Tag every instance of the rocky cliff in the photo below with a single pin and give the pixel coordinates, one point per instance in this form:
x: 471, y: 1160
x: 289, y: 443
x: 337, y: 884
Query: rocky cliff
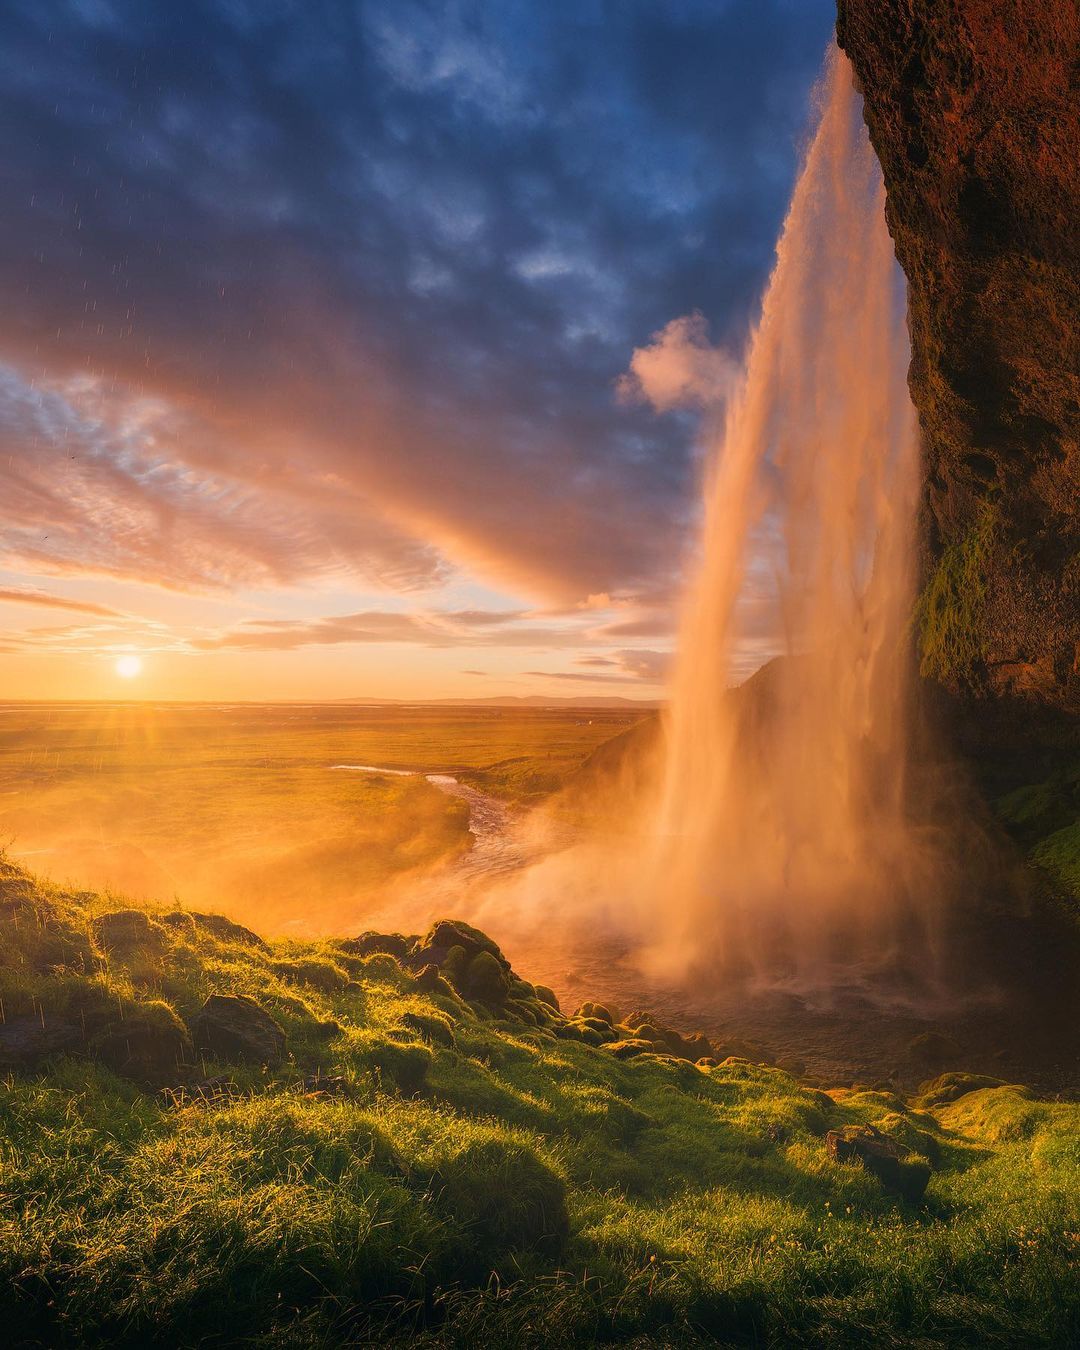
x: 973, y: 108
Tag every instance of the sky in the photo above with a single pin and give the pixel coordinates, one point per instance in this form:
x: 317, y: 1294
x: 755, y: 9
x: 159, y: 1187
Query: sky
x: 365, y: 349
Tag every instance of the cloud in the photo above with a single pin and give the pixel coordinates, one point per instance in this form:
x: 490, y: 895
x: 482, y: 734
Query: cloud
x: 626, y: 667
x: 449, y: 628
x: 17, y: 596
x: 680, y: 368
x: 295, y: 292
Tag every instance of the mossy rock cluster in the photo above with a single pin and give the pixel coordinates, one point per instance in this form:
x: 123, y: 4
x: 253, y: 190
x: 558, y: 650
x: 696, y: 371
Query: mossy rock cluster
x: 425, y: 1165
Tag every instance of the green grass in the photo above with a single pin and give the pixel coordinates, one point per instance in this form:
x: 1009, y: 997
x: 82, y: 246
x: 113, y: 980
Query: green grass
x: 462, y: 1174
x: 948, y: 614
x: 237, y: 807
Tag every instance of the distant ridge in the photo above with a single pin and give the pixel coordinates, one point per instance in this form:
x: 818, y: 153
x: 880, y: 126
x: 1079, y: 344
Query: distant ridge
x: 511, y: 701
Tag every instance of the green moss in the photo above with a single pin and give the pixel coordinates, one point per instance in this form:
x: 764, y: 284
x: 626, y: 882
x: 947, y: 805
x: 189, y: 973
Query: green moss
x: 948, y: 612
x: 510, y: 1188
x: 1059, y: 854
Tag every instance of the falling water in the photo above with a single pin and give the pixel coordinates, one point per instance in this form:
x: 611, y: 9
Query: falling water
x: 783, y: 850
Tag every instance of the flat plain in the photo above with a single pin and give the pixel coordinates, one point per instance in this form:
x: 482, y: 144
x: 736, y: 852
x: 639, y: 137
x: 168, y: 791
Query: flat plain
x: 237, y: 806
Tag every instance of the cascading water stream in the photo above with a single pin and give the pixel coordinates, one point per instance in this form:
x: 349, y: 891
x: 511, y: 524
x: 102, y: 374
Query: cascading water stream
x: 782, y: 848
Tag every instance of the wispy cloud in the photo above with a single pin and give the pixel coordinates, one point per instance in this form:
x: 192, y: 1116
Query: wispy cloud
x: 18, y: 596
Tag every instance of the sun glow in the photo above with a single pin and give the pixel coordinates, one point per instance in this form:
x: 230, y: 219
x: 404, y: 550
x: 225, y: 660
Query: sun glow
x: 127, y: 667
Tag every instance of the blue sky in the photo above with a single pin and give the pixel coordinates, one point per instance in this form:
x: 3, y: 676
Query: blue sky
x: 313, y: 322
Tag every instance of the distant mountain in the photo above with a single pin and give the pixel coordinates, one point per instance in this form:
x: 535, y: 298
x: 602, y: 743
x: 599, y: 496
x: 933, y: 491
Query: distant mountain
x: 513, y: 701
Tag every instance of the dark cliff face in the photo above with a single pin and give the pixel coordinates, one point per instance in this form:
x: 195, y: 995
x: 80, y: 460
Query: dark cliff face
x: 973, y: 108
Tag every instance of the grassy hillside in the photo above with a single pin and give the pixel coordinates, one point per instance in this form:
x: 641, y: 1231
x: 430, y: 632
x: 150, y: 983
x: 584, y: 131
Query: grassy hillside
x: 440, y: 1156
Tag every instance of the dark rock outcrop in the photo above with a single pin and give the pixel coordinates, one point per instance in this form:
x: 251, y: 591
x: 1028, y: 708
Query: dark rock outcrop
x: 234, y: 1027
x: 974, y: 111
x: 129, y: 930
x: 26, y: 1041
x: 884, y: 1157
x: 217, y: 925
x: 147, y: 1043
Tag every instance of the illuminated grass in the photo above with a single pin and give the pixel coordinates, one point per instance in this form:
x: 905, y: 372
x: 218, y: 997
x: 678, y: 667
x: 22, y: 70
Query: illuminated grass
x: 509, y: 1189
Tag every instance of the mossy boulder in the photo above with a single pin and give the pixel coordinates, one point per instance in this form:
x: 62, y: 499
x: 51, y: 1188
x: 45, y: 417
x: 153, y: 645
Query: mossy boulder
x: 316, y: 971
x: 950, y: 1087
x: 546, y: 995
x: 146, y: 1042
x: 234, y: 1027
x: 125, y: 931
x: 597, y: 1011
x: 369, y: 943
x: 933, y: 1049
x: 216, y: 926
x: 486, y: 979
x: 629, y: 1049
x: 895, y: 1165
x: 432, y: 1027
x: 401, y: 1067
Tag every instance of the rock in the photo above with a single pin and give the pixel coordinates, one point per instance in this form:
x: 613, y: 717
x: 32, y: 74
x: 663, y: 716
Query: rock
x: 973, y: 113
x: 318, y: 972
x: 145, y: 1041
x: 950, y: 1087
x: 795, y: 1067
x: 428, y: 979
x: 217, y: 925
x: 128, y: 930
x: 486, y: 979
x: 26, y: 1041
x: 315, y: 1084
x: 933, y: 1049
x: 596, y: 1011
x: 886, y: 1158
x: 367, y: 944
x: 449, y: 933
x: 235, y: 1027
x: 693, y: 1047
x: 430, y: 1027
x: 629, y: 1049
x: 546, y: 995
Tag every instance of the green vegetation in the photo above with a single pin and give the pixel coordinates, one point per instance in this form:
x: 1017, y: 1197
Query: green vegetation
x: 442, y: 1157
x: 948, y: 614
x: 1044, y: 817
x: 237, y: 806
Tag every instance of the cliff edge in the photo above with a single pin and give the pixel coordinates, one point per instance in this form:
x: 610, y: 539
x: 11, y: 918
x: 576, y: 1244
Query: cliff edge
x: 973, y: 107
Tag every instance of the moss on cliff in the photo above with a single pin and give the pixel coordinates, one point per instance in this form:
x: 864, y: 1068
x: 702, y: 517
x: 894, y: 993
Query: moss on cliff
x: 972, y: 110
x: 950, y: 608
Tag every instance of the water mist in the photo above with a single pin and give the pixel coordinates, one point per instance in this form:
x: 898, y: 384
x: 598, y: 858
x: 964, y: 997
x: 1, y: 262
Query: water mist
x: 782, y: 847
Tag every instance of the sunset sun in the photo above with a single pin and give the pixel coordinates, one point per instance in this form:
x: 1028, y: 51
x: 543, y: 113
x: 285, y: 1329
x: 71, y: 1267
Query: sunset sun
x: 127, y: 667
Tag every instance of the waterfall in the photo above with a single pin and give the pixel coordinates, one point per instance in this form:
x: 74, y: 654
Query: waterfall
x: 781, y: 848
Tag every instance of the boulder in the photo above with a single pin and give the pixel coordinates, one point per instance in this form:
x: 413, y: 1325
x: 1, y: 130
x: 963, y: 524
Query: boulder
x: 26, y: 1041
x: 449, y: 933
x: 145, y: 1041
x: 596, y: 1011
x: 933, y: 1049
x: 950, y: 1087
x: 235, y: 1027
x: 129, y: 930
x: 546, y: 995
x: 428, y: 979
x: 486, y: 979
x: 367, y: 944
x: 884, y: 1157
x: 217, y: 925
x: 431, y: 1027
x: 629, y: 1049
